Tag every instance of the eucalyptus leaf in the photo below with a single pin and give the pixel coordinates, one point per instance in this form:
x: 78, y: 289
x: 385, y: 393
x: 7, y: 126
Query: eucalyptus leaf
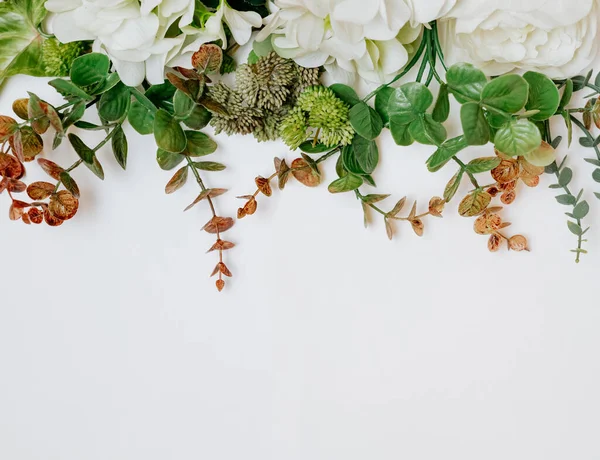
x: 519, y: 137
x: 445, y: 153
x: 543, y: 96
x: 474, y: 124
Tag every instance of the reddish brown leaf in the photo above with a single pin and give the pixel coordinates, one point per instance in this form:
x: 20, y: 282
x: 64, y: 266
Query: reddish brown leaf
x: 50, y: 219
x: 506, y: 171
x: 264, y: 185
x: 63, y: 205
x: 518, y: 243
x: 208, y: 59
x: 36, y: 216
x: 8, y: 126
x: 494, y: 243
x: 508, y: 197
x: 436, y: 206
x: 218, y: 225
x: 177, y: 181
x: 304, y: 173
x: 27, y: 142
x: 418, y: 226
x: 40, y: 190
x: 220, y: 284
x: 221, y: 245
x: 51, y: 168
x: 16, y: 186
x: 10, y: 166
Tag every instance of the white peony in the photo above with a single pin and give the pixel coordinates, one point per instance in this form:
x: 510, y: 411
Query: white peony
x: 348, y: 37
x: 556, y: 37
x: 134, y: 32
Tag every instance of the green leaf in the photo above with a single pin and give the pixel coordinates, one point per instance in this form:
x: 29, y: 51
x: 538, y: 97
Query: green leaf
x: 543, y: 96
x: 114, y: 103
x: 479, y: 165
x: 425, y: 130
x: 84, y: 152
x: 382, y: 101
x: 574, y: 228
x: 567, y: 200
x: 168, y: 133
x: 596, y: 175
x: 400, y: 131
x: 20, y: 41
x: 474, y: 203
x: 199, y: 144
x: 565, y: 177
x: 90, y: 70
x: 209, y: 166
x: 474, y: 124
x: 445, y: 153
x: 581, y: 210
x: 519, y: 137
x: 96, y: 168
x: 507, y: 93
x: 365, y: 121
x: 466, y: 82
x: 345, y: 93
x: 367, y: 153
x: 182, y: 104
x: 409, y: 101
x: 167, y: 160
x: 347, y: 183
x: 68, y: 89
x: 198, y: 119
x: 120, y: 147
x: 307, y: 147
x: 141, y: 117
x: 452, y: 186
x: 69, y: 183
x: 543, y: 156
x: 567, y: 95
x: 441, y: 109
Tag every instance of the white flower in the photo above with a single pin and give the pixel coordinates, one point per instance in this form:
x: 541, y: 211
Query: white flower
x: 133, y: 32
x: 425, y: 11
x: 348, y: 37
x: 556, y: 37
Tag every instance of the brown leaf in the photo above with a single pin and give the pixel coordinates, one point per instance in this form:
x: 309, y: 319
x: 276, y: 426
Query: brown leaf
x: 518, y: 243
x: 16, y: 145
x: 25, y: 218
x: 221, y: 268
x: 283, y: 172
x: 241, y: 213
x: 208, y: 59
x: 493, y: 191
x: 481, y: 225
x: 16, y: 186
x: 474, y: 203
x: 17, y: 209
x: 389, y: 229
x: 8, y: 126
x: 20, y: 108
x: 250, y: 207
x: 528, y: 168
x: 413, y: 211
x: 177, y: 181
x: 63, y: 205
x: 31, y: 143
x: 10, y: 166
x: 304, y: 173
x: 188, y: 73
x: 399, y: 205
x: 51, y: 220
x: 36, y: 216
x: 506, y: 171
x: 264, y: 185
x: 436, y: 206
x: 51, y: 168
x: 218, y: 225
x: 531, y: 181
x: 508, y: 197
x: 3, y: 184
x: 418, y: 226
x: 221, y: 245
x: 220, y: 284
x: 40, y: 190
x: 494, y: 243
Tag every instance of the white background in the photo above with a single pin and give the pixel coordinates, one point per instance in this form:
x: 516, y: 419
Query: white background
x: 329, y: 343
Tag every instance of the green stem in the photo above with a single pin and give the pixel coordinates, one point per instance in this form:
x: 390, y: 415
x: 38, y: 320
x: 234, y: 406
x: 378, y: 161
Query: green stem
x: 68, y: 170
x: 469, y: 173
x: 587, y: 134
x: 327, y: 155
x: 108, y: 138
x: 438, y: 45
x: 201, y: 184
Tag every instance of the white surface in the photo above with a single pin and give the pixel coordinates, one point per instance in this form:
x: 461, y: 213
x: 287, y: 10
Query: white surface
x: 330, y: 342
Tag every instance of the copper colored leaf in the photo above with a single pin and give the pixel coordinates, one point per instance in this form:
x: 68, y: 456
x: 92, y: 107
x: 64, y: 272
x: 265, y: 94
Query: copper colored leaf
x: 20, y: 108
x: 531, y: 181
x: 436, y: 206
x: 481, y: 226
x: 51, y: 168
x: 36, y: 216
x: 51, y: 220
x: 213, y: 106
x: 221, y: 245
x: 264, y: 185
x: 399, y: 205
x: 250, y: 207
x: 8, y: 126
x: 418, y: 226
x: 221, y: 268
x: 474, y: 203
x: 518, y: 243
x: 40, y: 190
x: 241, y: 213
x: 3, y: 184
x: 220, y: 284
x: 63, y: 205
x: 16, y: 145
x: 208, y: 59
x: 17, y: 209
x: 187, y: 73
x: 16, y: 186
x: 177, y: 181
x: 204, y: 194
x: 304, y: 173
x: 283, y: 172
x: 494, y: 242
x: 218, y: 225
x: 508, y: 197
x: 11, y: 167
x: 27, y: 142
x: 506, y: 171
x: 25, y: 218
x: 69, y: 183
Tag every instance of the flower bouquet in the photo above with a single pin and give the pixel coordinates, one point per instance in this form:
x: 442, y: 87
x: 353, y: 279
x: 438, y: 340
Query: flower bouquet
x: 326, y: 78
